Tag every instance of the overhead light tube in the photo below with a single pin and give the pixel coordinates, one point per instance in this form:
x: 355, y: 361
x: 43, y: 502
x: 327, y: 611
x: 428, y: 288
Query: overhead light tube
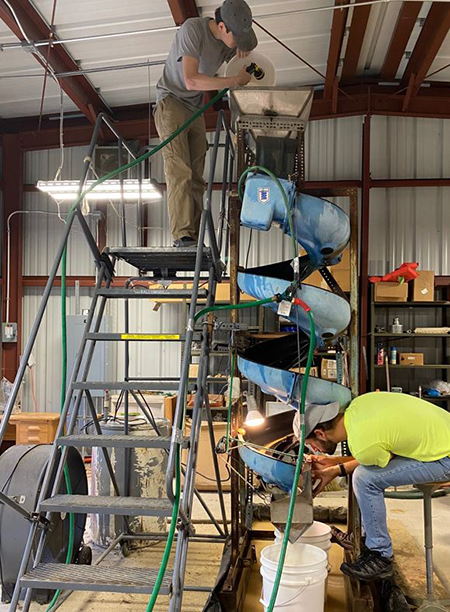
x: 133, y: 190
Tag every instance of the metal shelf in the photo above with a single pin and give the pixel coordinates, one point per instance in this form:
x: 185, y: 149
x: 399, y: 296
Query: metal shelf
x: 406, y: 335
x: 442, y: 398
x: 412, y: 304
x: 441, y: 366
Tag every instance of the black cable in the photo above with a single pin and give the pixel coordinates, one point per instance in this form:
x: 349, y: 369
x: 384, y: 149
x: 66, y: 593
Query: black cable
x: 248, y: 248
x: 213, y: 479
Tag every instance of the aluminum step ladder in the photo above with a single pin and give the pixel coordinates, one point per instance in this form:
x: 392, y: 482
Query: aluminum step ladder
x: 130, y: 580
x: 199, y: 265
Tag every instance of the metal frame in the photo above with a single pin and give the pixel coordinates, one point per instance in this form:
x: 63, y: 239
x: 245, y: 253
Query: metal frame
x: 241, y: 537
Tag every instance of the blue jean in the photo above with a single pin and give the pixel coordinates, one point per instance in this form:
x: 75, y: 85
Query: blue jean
x: 369, y: 483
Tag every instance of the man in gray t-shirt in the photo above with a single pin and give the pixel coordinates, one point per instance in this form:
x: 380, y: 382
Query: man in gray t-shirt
x: 200, y: 47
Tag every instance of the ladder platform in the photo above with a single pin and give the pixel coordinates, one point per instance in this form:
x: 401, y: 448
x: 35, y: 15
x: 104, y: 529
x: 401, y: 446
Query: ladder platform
x: 99, y: 504
x: 135, y: 337
x: 118, y: 441
x: 113, y: 579
x: 151, y: 294
x: 148, y: 259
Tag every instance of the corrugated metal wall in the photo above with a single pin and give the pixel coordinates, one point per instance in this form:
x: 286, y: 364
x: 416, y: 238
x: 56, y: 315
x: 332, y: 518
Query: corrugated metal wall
x: 405, y: 224
x: 410, y: 224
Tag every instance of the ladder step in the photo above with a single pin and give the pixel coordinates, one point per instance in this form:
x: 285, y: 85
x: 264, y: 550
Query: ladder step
x: 113, y: 579
x: 160, y: 385
x: 148, y: 259
x: 118, y: 441
x: 151, y: 385
x: 135, y: 337
x: 98, y: 504
x: 151, y: 294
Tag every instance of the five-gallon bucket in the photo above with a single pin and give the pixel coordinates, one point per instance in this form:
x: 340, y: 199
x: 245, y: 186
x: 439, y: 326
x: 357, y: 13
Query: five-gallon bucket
x: 319, y: 534
x: 302, y: 584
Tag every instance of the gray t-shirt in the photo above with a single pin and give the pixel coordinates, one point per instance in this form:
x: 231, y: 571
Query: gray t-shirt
x: 195, y: 39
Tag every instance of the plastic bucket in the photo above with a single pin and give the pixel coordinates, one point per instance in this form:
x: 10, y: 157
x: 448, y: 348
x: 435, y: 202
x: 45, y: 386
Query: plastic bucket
x: 302, y: 584
x: 319, y: 534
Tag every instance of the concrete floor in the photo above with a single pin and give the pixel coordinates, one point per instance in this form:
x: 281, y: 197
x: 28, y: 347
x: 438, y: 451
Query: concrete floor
x: 204, y: 560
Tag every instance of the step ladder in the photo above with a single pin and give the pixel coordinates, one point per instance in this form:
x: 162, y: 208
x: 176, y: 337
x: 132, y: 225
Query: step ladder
x: 130, y: 580
x: 198, y: 265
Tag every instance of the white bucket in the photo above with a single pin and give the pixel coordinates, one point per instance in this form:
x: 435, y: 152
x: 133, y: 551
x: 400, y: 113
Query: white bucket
x: 319, y: 534
x: 302, y: 584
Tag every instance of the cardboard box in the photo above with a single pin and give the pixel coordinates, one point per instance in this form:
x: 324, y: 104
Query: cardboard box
x: 407, y: 359
x: 193, y: 370
x: 422, y: 287
x: 328, y: 370
x: 390, y: 292
x: 162, y: 406
x: 314, y: 371
x: 205, y: 466
x: 340, y: 271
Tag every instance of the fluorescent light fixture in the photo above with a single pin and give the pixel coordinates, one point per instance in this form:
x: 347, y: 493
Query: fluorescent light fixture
x: 133, y: 190
x: 254, y: 417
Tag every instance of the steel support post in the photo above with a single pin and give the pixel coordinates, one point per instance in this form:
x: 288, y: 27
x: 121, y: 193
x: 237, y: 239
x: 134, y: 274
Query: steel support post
x: 12, y: 202
x: 364, y: 257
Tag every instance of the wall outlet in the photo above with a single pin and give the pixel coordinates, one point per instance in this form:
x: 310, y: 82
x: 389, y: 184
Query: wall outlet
x: 9, y: 332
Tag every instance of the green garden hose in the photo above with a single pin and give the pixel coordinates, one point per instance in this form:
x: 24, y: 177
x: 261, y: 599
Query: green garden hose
x: 71, y: 212
x: 301, y: 451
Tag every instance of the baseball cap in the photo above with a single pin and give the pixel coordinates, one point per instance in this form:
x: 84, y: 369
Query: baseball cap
x: 315, y: 414
x: 237, y: 16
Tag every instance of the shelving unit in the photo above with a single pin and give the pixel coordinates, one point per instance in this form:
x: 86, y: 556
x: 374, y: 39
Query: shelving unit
x: 434, y: 346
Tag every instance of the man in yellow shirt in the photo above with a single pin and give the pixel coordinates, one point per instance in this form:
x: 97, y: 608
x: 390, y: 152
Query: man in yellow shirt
x: 395, y: 439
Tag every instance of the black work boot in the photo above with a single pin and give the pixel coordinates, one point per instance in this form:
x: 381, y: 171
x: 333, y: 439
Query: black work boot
x: 370, y: 565
x: 185, y: 241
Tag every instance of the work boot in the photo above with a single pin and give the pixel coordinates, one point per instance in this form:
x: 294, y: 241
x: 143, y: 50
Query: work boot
x: 186, y: 242
x: 370, y: 565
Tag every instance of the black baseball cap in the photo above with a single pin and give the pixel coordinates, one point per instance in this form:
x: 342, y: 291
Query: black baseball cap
x: 237, y: 16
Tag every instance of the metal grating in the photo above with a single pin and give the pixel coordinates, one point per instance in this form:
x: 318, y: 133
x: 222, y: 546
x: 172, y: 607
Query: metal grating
x: 148, y: 259
x: 123, y: 506
x: 115, y: 579
x: 118, y: 441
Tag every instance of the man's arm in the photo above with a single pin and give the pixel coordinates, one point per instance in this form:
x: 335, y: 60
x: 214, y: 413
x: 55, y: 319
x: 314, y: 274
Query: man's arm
x: 196, y: 81
x: 326, y: 475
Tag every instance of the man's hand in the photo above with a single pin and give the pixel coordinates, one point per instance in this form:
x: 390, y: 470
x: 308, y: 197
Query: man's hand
x: 242, y: 54
x: 319, y: 462
x: 242, y: 78
x: 323, y: 477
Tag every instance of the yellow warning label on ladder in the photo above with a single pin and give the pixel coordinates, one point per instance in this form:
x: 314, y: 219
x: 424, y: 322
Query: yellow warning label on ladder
x: 150, y: 337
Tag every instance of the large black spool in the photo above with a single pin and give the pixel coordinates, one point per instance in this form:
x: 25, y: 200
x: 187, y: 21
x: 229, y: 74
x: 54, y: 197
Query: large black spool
x: 22, y: 470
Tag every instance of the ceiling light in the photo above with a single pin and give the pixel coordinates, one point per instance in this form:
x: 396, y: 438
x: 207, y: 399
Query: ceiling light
x: 133, y: 190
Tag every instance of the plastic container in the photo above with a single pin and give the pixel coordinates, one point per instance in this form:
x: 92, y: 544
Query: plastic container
x: 302, y: 584
x: 393, y: 355
x: 319, y: 534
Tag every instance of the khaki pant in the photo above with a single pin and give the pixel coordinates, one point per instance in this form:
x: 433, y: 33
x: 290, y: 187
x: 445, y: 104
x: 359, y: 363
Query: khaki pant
x: 184, y: 163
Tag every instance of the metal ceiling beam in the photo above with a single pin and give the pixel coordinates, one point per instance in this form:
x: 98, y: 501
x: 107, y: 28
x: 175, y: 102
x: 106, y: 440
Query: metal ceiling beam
x: 132, y: 121
x: 356, y: 35
x: 79, y: 89
x: 406, y: 21
x: 433, y: 34
x: 334, y: 50
x: 182, y: 10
